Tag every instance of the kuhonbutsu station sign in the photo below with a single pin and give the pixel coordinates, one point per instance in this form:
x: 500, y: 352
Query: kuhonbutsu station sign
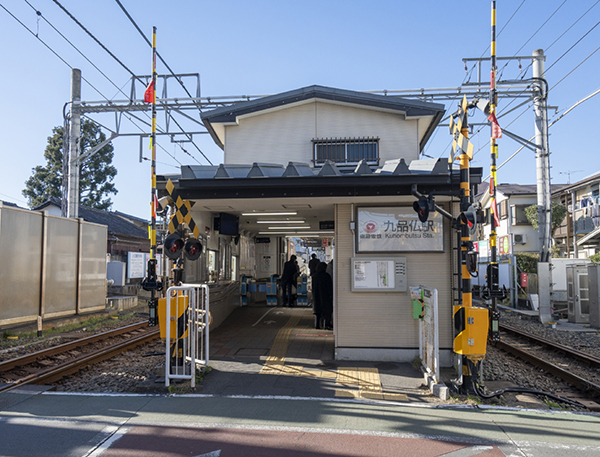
x: 398, y: 229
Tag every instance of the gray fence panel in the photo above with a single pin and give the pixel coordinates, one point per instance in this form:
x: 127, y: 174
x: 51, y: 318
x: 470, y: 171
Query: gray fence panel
x: 21, y: 260
x: 61, y: 267
x: 92, y: 289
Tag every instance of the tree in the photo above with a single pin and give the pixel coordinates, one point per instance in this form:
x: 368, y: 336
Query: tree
x: 96, y: 172
x: 558, y: 213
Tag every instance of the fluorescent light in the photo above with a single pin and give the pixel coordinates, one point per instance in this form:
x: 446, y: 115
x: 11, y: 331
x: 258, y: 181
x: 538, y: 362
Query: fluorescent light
x: 288, y: 213
x: 290, y: 227
x: 280, y: 222
x: 296, y: 233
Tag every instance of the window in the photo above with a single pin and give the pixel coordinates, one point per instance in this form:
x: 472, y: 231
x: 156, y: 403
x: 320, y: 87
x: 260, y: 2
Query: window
x: 346, y: 150
x: 503, y: 209
x: 518, y: 215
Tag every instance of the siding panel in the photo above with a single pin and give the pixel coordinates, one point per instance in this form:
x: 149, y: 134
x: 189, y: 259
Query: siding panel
x: 384, y: 320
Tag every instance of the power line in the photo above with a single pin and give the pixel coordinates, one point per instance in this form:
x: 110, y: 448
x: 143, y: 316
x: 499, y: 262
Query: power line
x: 49, y: 48
x: 576, y: 43
x: 96, y: 40
x: 170, y: 70
x: 575, y: 68
x: 75, y: 47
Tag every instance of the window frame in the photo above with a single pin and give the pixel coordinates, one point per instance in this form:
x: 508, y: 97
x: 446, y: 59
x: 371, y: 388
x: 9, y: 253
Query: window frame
x: 319, y: 158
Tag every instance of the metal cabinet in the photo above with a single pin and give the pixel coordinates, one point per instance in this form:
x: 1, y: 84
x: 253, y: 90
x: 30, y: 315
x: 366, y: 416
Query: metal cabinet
x: 594, y: 289
x: 578, y: 294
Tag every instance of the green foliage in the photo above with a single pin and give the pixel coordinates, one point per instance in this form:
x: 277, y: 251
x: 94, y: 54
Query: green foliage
x: 558, y: 212
x: 527, y: 262
x: 595, y: 258
x: 96, y: 173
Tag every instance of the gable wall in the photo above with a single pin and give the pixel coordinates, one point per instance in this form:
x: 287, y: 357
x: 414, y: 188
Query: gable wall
x: 285, y: 135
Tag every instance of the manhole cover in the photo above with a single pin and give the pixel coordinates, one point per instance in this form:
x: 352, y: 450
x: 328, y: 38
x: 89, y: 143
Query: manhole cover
x: 252, y: 352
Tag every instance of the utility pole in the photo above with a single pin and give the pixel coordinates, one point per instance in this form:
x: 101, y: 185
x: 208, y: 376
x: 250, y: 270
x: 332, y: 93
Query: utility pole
x: 542, y: 154
x: 74, y: 145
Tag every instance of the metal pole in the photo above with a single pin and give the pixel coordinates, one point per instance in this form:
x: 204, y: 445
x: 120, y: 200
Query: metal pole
x: 74, y: 144
x: 153, y: 163
x: 542, y: 155
x: 574, y: 223
x: 494, y: 315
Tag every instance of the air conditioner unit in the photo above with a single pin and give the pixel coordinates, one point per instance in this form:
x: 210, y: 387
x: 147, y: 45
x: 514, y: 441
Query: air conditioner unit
x: 519, y: 239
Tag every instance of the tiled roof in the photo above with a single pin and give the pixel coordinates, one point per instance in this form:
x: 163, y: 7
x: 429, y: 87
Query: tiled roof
x: 116, y: 224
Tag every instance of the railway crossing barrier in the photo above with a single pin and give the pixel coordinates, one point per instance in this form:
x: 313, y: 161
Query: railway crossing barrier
x: 184, y: 325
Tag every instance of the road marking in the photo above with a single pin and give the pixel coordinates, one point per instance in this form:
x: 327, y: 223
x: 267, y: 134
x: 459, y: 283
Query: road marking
x: 261, y: 317
x: 210, y: 454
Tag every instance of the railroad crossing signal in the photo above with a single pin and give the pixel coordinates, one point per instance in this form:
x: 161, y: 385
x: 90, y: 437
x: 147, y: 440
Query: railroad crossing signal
x: 460, y: 144
x: 183, y: 214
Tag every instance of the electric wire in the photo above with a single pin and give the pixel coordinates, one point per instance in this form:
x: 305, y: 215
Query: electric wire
x: 170, y: 70
x: 68, y: 13
x: 49, y: 48
x: 501, y: 30
x: 39, y: 14
x: 576, y: 43
x: 84, y: 79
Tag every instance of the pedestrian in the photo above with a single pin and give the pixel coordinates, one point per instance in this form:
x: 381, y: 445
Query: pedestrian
x: 312, y: 264
x: 290, y: 270
x: 323, y: 298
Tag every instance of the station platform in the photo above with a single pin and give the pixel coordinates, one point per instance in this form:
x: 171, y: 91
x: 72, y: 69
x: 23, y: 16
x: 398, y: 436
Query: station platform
x: 276, y: 351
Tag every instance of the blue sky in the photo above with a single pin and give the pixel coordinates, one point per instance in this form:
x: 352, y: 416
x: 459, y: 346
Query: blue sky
x: 266, y: 47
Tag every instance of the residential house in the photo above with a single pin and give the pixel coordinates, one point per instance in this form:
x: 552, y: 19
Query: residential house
x: 579, y: 235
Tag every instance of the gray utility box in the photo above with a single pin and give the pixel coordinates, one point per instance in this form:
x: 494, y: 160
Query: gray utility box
x: 594, y: 290
x: 578, y: 297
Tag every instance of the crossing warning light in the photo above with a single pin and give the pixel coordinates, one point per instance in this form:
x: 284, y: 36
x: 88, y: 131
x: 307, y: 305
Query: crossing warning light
x: 192, y: 249
x: 469, y: 218
x: 173, y: 246
x: 421, y: 206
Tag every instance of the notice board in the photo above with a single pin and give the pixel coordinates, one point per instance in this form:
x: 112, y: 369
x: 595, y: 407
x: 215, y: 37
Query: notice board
x: 378, y: 274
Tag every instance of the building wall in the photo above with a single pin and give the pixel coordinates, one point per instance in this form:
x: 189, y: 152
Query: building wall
x: 379, y: 325
x: 288, y: 133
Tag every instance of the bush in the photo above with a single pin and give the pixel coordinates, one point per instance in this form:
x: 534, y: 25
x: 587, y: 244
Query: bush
x: 595, y: 258
x: 528, y: 263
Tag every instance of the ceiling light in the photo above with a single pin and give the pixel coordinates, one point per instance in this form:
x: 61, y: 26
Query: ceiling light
x: 290, y: 227
x: 281, y: 222
x: 288, y: 213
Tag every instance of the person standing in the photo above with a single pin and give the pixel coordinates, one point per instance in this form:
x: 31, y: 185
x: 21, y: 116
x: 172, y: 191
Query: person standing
x: 312, y: 264
x: 323, y: 298
x: 287, y: 280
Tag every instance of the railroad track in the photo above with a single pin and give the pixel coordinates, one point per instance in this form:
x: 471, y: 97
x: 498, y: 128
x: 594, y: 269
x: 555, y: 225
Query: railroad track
x: 584, y: 379
x: 134, y: 335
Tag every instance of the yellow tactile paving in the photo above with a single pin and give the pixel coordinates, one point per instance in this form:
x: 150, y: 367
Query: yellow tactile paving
x: 364, y: 382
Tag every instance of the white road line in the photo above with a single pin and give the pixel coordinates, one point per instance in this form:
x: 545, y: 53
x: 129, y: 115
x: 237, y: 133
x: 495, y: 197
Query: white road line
x: 261, y: 317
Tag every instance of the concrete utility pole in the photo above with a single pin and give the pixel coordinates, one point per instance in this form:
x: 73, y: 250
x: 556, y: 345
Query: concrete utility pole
x: 542, y: 154
x: 74, y: 145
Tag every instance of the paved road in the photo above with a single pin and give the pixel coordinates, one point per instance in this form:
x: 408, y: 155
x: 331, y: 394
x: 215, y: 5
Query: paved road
x: 53, y: 424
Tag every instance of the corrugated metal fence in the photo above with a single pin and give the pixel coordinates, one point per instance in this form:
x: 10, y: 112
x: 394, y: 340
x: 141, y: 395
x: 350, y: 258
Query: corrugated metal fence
x: 49, y: 266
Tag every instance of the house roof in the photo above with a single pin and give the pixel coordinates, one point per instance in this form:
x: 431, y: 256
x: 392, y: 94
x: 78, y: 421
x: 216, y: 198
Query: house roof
x: 410, y: 108
x: 515, y: 189
x: 584, y: 182
x: 116, y: 224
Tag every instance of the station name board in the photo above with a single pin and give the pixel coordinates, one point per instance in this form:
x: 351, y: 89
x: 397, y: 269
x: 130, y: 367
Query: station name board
x: 398, y: 229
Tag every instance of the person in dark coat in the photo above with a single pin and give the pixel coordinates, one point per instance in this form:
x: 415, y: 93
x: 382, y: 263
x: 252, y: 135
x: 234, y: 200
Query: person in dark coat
x: 287, y: 280
x: 312, y: 264
x: 323, y: 298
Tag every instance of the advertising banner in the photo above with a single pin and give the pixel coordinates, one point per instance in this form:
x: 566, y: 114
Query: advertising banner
x: 398, y: 229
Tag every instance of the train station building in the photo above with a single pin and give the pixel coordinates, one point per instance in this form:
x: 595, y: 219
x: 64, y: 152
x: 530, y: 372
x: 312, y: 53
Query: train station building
x: 340, y: 167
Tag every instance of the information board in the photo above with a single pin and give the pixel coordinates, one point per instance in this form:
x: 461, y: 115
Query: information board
x: 398, y: 229
x: 137, y: 264
x: 370, y: 274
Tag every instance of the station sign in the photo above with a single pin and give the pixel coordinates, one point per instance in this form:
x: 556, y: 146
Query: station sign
x: 326, y: 225
x: 398, y: 229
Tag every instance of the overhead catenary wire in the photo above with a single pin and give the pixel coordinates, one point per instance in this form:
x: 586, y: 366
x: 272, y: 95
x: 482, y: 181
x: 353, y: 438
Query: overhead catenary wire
x: 170, y: 70
x: 68, y: 13
x: 84, y: 79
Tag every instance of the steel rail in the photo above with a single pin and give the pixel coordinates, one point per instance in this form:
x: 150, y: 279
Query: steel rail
x: 29, y: 358
x: 55, y: 373
x: 587, y: 358
x: 572, y: 379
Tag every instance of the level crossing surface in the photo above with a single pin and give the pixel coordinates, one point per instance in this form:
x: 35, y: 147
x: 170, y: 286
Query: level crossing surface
x: 57, y: 424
